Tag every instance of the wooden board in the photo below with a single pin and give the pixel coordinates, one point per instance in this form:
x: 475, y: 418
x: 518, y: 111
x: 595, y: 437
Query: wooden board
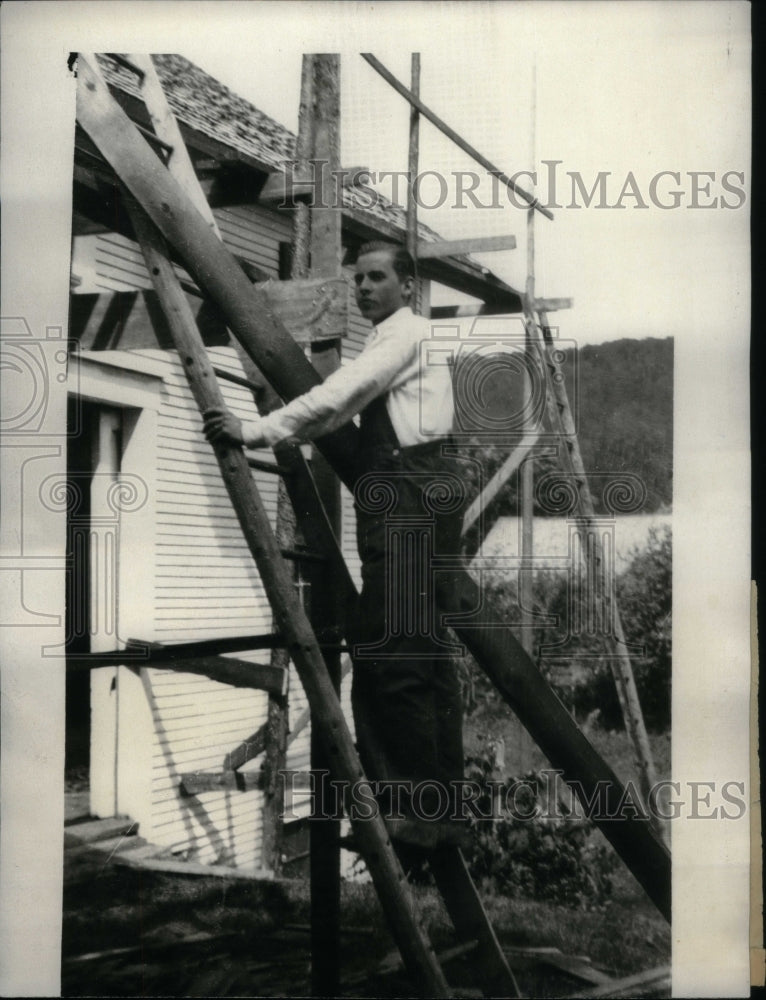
x: 481, y: 244
x: 197, y: 782
x: 654, y: 983
x: 470, y: 921
x: 311, y: 308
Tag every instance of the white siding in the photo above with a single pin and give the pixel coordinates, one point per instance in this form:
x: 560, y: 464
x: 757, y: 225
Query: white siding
x: 111, y: 262
x: 255, y: 233
x: 206, y: 587
x: 206, y: 584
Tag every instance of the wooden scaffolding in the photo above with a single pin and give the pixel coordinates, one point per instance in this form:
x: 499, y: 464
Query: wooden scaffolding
x: 172, y: 221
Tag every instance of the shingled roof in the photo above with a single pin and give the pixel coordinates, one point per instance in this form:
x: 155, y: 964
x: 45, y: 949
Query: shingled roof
x: 205, y: 105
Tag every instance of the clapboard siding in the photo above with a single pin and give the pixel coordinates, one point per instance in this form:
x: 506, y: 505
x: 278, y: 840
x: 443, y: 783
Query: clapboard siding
x: 206, y: 586
x: 206, y: 582
x: 112, y: 262
x: 255, y: 233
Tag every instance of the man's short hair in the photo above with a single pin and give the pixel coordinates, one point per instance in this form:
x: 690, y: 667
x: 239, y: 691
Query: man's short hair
x: 401, y: 259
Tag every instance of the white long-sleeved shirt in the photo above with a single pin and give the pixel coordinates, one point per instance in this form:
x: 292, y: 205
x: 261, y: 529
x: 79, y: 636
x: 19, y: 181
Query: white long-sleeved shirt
x: 395, y: 360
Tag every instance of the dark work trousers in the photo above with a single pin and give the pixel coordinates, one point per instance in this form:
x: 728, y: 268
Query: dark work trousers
x: 405, y: 694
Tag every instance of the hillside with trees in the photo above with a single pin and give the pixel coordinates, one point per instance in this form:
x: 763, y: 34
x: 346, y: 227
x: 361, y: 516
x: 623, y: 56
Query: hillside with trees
x: 621, y: 394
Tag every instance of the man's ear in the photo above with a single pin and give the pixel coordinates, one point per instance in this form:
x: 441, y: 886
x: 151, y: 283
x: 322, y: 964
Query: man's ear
x: 408, y: 288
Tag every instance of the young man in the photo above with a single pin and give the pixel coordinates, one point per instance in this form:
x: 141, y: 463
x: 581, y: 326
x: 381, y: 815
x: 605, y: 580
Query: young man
x: 408, y: 500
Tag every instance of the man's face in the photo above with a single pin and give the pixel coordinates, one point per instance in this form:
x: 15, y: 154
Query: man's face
x: 379, y: 289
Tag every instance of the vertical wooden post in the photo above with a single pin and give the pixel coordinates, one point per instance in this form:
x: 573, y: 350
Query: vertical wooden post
x: 526, y: 472
x: 412, y: 173
x: 319, y: 139
x: 277, y: 719
x: 412, y: 161
x: 619, y: 661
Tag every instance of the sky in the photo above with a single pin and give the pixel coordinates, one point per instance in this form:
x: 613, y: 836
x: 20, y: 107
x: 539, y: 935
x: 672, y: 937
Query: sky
x: 628, y: 91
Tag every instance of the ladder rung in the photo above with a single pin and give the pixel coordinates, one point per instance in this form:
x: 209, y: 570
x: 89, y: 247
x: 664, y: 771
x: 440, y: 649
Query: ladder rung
x: 151, y: 138
x: 257, y: 463
x: 237, y: 379
x: 126, y: 64
x: 95, y: 157
x: 252, y: 271
x: 154, y: 139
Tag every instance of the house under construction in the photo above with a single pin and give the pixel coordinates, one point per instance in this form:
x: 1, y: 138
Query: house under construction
x: 201, y: 672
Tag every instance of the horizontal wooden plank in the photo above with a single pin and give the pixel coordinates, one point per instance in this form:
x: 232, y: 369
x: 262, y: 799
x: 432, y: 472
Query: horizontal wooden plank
x: 225, y: 630
x: 480, y: 244
x: 196, y: 782
x: 655, y: 982
x: 164, y: 680
x: 551, y: 305
x: 224, y: 669
x: 99, y: 829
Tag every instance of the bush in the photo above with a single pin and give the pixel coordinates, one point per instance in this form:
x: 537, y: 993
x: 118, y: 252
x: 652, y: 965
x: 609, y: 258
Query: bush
x: 554, y: 859
x: 580, y: 673
x: 644, y: 596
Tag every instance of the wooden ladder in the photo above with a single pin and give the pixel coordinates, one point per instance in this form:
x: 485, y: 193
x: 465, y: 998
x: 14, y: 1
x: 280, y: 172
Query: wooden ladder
x: 162, y: 210
x: 447, y: 864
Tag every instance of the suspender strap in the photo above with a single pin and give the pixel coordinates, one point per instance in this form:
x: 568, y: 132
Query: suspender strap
x: 376, y: 430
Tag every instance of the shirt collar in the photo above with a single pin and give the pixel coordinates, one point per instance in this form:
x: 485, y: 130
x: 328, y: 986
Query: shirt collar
x: 394, y: 319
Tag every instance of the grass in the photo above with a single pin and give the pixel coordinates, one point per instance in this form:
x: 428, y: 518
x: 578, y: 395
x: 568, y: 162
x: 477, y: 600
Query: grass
x: 258, y: 943
x: 257, y: 950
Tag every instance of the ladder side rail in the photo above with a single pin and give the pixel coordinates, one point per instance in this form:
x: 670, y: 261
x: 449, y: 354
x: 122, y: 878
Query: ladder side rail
x: 461, y: 899
x: 319, y: 136
x: 619, y: 661
x: 166, y: 127
x: 390, y: 883
x: 247, y: 310
x: 282, y: 362
x: 457, y: 889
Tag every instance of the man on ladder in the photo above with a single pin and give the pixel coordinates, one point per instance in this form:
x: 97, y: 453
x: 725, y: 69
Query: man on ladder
x: 409, y: 508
